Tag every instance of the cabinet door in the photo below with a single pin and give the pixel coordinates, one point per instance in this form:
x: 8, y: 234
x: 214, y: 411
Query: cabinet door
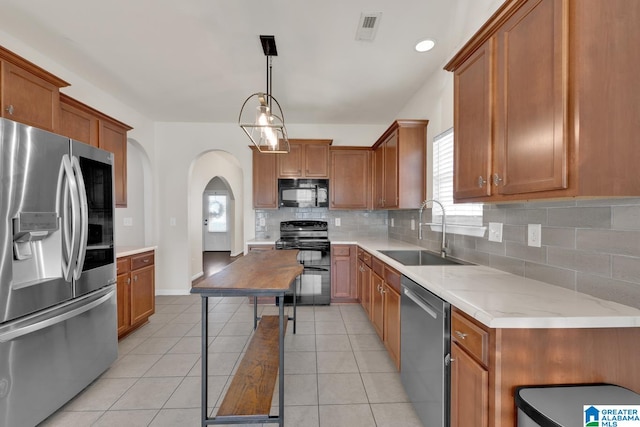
x: 265, y: 181
x: 28, y: 99
x: 473, y: 94
x: 378, y: 177
x: 142, y: 294
x: 123, y: 289
x: 392, y: 323
x: 78, y: 124
x: 343, y: 278
x: 290, y: 164
x: 349, y: 179
x: 316, y: 158
x: 390, y: 196
x: 114, y: 138
x: 531, y: 150
x: 469, y: 390
x: 377, y: 304
x: 364, y: 279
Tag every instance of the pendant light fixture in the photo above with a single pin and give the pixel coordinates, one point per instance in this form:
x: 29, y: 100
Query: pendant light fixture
x: 264, y: 125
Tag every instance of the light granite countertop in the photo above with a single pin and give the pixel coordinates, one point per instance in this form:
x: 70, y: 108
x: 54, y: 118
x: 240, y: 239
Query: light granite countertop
x: 499, y: 299
x: 122, y: 251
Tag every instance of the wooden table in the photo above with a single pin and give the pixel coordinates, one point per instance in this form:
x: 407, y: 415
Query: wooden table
x: 261, y: 273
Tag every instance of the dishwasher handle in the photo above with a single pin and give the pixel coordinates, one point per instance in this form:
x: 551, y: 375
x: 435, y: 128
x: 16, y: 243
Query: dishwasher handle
x: 426, y: 306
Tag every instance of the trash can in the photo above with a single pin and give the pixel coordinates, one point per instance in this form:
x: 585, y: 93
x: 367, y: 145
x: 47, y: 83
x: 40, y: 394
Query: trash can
x: 576, y: 405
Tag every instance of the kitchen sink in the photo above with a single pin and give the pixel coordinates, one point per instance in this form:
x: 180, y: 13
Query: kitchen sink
x: 415, y: 257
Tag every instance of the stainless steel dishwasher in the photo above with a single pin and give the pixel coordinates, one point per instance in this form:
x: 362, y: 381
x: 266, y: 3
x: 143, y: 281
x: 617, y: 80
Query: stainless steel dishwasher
x: 425, y: 353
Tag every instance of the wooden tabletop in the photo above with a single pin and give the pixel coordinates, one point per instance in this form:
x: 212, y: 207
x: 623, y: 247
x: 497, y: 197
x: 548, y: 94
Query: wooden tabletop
x: 257, y: 273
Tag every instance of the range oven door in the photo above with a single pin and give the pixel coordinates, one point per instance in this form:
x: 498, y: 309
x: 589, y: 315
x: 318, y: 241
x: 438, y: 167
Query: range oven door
x: 313, y: 286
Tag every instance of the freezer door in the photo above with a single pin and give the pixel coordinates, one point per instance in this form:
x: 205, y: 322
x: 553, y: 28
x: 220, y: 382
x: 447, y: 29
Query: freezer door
x: 96, y: 266
x: 32, y: 177
x: 47, y: 358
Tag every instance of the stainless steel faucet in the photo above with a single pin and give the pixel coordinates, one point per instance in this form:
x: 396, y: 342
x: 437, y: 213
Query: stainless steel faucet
x: 443, y: 248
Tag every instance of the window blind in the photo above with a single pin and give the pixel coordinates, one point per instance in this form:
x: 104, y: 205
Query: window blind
x: 443, y: 183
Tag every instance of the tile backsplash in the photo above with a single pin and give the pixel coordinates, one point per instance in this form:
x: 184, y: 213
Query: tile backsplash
x: 591, y: 246
x: 371, y: 224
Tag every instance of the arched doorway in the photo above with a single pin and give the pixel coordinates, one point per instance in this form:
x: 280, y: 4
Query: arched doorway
x: 225, y: 171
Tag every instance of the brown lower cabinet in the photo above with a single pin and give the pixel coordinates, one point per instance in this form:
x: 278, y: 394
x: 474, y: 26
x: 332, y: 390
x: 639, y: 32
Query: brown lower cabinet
x: 364, y: 280
x: 343, y: 273
x: 136, y: 291
x: 488, y: 363
x: 385, y: 306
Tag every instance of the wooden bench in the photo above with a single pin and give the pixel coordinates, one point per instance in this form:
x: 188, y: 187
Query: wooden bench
x: 251, y: 389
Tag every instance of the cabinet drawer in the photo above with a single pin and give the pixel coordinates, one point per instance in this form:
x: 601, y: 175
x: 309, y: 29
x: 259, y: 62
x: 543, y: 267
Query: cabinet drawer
x: 122, y: 265
x: 142, y: 260
x: 470, y: 336
x: 364, y: 256
x: 392, y: 278
x: 341, y: 250
x: 377, y: 266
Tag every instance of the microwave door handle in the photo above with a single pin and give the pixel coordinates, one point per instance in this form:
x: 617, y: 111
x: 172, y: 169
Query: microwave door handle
x: 84, y: 217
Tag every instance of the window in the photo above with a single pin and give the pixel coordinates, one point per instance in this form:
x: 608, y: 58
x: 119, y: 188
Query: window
x: 460, y: 213
x: 217, y: 213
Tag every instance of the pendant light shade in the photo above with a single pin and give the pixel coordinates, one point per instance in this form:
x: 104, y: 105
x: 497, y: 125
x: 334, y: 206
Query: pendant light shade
x: 261, y: 117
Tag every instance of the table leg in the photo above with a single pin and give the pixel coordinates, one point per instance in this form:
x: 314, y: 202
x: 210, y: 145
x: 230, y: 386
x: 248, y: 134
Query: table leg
x: 255, y: 313
x: 294, y: 305
x: 205, y: 362
x: 281, y: 362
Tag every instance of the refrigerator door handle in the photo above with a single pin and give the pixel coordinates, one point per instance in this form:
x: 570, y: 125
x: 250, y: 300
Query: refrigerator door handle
x: 62, y: 202
x: 84, y: 217
x: 18, y: 332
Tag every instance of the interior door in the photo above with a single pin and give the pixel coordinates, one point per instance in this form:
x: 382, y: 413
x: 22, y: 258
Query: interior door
x: 216, y: 230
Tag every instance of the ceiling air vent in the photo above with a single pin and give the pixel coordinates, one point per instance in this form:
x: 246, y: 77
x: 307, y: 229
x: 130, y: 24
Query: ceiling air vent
x: 368, y: 26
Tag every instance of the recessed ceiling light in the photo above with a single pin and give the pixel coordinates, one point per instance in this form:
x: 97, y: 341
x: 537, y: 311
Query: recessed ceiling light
x: 425, y: 45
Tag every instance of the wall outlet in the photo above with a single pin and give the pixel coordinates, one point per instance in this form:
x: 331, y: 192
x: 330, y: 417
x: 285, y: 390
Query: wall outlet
x: 127, y: 222
x: 413, y: 224
x: 262, y: 222
x: 172, y: 222
x: 495, y: 232
x: 393, y: 223
x: 337, y: 222
x: 534, y: 235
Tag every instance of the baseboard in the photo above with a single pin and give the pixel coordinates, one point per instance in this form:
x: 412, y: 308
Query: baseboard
x: 197, y: 276
x: 172, y: 292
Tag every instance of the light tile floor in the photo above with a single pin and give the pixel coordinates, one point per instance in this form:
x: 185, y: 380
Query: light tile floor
x: 337, y: 371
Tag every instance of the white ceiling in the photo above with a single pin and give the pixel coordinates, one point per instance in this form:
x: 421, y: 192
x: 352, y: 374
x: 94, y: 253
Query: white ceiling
x: 197, y: 60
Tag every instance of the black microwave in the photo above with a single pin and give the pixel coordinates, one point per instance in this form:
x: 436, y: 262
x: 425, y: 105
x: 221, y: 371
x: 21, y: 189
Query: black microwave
x: 303, y: 193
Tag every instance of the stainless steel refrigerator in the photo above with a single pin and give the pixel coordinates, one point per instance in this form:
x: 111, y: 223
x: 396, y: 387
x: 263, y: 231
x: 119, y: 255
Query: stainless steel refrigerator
x: 58, y: 317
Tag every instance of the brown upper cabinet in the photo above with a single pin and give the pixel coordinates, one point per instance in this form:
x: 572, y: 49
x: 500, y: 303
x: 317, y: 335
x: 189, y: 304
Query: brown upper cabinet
x: 265, y: 180
x: 308, y: 158
x: 350, y: 178
x: 83, y: 123
x: 544, y: 105
x: 29, y: 94
x: 399, y: 166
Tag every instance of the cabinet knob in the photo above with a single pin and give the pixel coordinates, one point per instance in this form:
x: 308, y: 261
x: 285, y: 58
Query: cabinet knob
x: 10, y: 109
x: 135, y: 278
x: 496, y: 179
x: 461, y: 335
x: 481, y: 181
x: 128, y: 280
